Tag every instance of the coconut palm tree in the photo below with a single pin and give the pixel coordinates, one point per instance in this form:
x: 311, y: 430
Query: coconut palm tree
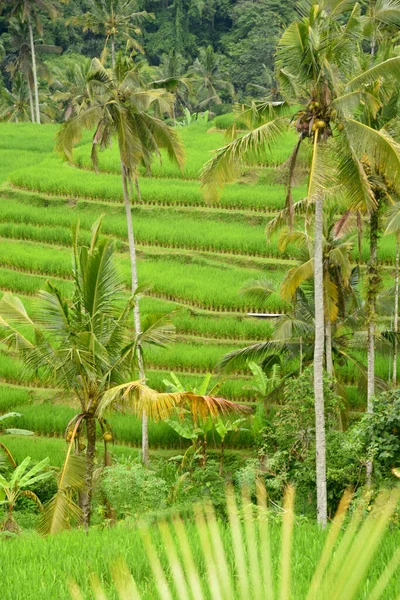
x: 14, y: 105
x: 171, y: 75
x: 337, y: 270
x: 120, y: 107
x: 84, y: 345
x: 381, y: 20
x: 20, y: 60
x: 211, y: 82
x: 72, y: 90
x: 115, y: 19
x: 29, y: 11
x: 379, y: 114
x: 317, y: 68
x: 393, y: 227
x: 82, y: 342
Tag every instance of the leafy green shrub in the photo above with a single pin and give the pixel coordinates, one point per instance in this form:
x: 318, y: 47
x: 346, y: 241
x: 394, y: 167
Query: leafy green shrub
x: 381, y: 432
x: 287, y: 452
x: 133, y: 489
x: 224, y: 121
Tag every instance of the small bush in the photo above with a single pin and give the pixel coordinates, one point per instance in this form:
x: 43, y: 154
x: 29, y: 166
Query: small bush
x: 132, y: 489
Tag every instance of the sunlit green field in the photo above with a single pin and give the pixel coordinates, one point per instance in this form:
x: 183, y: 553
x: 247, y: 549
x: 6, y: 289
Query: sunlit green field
x: 33, y: 568
x: 196, y: 255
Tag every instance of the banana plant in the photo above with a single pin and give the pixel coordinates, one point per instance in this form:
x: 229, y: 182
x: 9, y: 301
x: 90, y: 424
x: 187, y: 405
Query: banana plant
x: 16, y: 486
x: 197, y: 435
x: 202, y: 389
x: 194, y: 431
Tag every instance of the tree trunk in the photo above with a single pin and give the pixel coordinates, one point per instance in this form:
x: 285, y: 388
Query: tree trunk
x: 35, y: 82
x: 371, y: 315
x: 328, y: 344
x: 396, y: 311
x: 371, y: 308
x: 319, y: 364
x: 31, y: 99
x: 113, y: 52
x: 136, y: 311
x: 90, y: 452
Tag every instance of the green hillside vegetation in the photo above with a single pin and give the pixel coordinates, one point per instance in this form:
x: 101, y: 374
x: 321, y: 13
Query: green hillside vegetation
x: 199, y: 300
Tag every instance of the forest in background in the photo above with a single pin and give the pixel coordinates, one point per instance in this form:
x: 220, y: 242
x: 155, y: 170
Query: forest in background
x: 226, y: 45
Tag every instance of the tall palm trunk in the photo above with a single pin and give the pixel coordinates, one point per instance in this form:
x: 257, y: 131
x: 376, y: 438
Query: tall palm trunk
x: 371, y: 306
x: 86, y: 497
x: 371, y: 315
x: 31, y: 99
x: 136, y: 311
x: 34, y: 73
x: 319, y: 364
x: 396, y: 310
x: 113, y: 52
x: 328, y: 350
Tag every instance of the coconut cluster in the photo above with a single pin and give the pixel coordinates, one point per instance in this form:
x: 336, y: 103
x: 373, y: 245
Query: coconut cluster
x: 107, y: 437
x: 316, y: 117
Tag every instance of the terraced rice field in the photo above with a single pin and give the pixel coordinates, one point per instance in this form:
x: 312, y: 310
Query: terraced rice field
x: 197, y: 256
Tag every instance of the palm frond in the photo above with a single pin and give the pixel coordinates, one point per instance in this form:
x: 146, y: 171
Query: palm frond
x: 239, y: 564
x: 238, y: 359
x: 225, y: 165
x: 62, y: 511
x: 389, y: 68
x: 393, y: 219
x: 381, y: 149
x: 157, y: 329
x: 295, y: 277
x: 140, y: 398
x: 259, y: 289
x: 283, y: 217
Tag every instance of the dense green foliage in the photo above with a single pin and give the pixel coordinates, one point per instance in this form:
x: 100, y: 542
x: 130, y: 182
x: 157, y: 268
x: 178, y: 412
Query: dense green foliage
x: 226, y: 47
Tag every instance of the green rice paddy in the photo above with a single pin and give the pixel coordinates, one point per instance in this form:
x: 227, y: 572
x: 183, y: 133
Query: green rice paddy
x: 196, y: 255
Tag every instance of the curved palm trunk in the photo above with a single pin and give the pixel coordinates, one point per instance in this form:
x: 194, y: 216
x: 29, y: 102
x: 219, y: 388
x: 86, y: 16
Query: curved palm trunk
x: 396, y: 311
x: 34, y: 73
x: 319, y: 364
x: 86, y: 497
x: 136, y: 310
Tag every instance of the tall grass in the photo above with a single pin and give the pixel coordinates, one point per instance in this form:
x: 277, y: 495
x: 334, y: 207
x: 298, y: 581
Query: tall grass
x: 199, y: 282
x: 13, y: 159
x: 28, y: 137
x: 51, y: 419
x: 38, y: 447
x: 159, y: 227
x: 199, y: 144
x: 26, y: 283
x: 198, y: 228
x: 10, y: 397
x: 187, y: 356
x: 250, y: 556
x: 53, y: 176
